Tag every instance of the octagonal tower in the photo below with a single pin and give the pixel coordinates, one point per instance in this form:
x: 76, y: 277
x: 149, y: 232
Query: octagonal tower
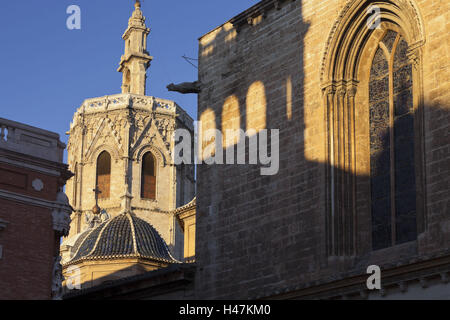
x: 121, y: 146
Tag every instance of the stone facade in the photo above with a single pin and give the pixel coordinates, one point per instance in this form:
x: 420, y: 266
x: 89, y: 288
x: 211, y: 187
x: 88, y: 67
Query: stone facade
x: 176, y: 282
x: 186, y: 216
x: 136, y: 60
x: 303, y: 67
x: 127, y: 128
x: 312, y: 69
x: 34, y: 212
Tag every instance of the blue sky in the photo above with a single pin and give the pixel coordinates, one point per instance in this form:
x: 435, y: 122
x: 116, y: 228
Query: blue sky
x: 47, y: 70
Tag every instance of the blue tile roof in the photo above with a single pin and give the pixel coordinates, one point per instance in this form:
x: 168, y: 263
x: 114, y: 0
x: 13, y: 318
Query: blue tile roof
x: 125, y: 236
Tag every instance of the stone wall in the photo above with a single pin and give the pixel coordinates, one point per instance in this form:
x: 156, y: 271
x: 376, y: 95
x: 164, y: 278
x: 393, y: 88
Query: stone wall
x: 127, y: 127
x: 258, y: 235
x: 34, y: 213
x: 29, y: 247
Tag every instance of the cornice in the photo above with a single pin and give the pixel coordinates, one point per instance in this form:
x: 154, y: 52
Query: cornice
x: 127, y: 32
x: 191, y: 205
x: 33, y: 163
x: 12, y: 196
x: 260, y: 8
x: 417, y: 269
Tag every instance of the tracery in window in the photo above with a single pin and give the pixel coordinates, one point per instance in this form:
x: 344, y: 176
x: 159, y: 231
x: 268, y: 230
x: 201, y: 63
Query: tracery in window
x: 392, y: 165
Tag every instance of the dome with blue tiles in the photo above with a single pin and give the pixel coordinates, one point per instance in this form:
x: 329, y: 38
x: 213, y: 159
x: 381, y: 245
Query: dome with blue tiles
x: 125, y: 236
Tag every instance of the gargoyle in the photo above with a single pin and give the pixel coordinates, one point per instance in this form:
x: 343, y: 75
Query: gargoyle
x: 185, y: 87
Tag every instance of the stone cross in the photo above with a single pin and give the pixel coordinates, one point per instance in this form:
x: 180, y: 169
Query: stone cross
x: 97, y: 192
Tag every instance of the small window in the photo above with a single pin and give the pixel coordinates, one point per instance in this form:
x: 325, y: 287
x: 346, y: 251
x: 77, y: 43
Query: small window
x: 104, y: 175
x: 148, y: 182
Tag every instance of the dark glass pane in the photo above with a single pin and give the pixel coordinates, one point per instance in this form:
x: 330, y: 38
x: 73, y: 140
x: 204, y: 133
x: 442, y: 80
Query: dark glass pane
x: 380, y: 67
x: 402, y: 78
x: 381, y: 186
x: 381, y: 223
x: 379, y: 113
x: 403, y: 102
x: 405, y: 176
x: 405, y: 215
x: 401, y: 54
x: 379, y: 89
x: 404, y: 129
x: 405, y: 180
x: 404, y: 154
x: 389, y: 39
x: 380, y: 167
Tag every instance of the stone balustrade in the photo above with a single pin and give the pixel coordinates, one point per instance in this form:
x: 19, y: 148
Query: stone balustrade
x: 26, y: 139
x: 124, y: 100
x: 120, y: 101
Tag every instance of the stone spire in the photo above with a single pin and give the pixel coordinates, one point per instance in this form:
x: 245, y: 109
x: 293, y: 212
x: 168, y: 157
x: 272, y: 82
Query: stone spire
x: 136, y: 60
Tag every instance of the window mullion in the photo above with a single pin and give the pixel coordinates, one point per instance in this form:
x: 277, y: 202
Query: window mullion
x: 392, y: 144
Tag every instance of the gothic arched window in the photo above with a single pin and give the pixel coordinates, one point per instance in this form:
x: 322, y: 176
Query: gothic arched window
x: 104, y: 175
x: 392, y: 160
x: 148, y: 180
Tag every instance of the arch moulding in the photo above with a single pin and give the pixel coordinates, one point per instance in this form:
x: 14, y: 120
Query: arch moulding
x: 351, y: 25
x: 92, y: 156
x: 348, y: 43
x: 157, y: 153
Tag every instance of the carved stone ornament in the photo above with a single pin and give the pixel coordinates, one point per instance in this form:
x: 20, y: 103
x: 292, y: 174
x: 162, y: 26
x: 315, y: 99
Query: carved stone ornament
x: 185, y: 87
x: 58, y: 278
x: 93, y: 220
x: 37, y: 185
x: 61, y: 215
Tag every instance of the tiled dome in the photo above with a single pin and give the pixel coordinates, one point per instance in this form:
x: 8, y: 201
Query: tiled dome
x: 125, y: 236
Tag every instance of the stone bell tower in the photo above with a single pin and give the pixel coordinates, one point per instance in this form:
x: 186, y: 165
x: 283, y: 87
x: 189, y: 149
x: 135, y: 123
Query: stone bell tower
x: 121, y: 146
x: 136, y: 60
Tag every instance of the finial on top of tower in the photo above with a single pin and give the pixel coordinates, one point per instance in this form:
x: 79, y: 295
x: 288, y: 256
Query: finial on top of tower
x: 136, y: 60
